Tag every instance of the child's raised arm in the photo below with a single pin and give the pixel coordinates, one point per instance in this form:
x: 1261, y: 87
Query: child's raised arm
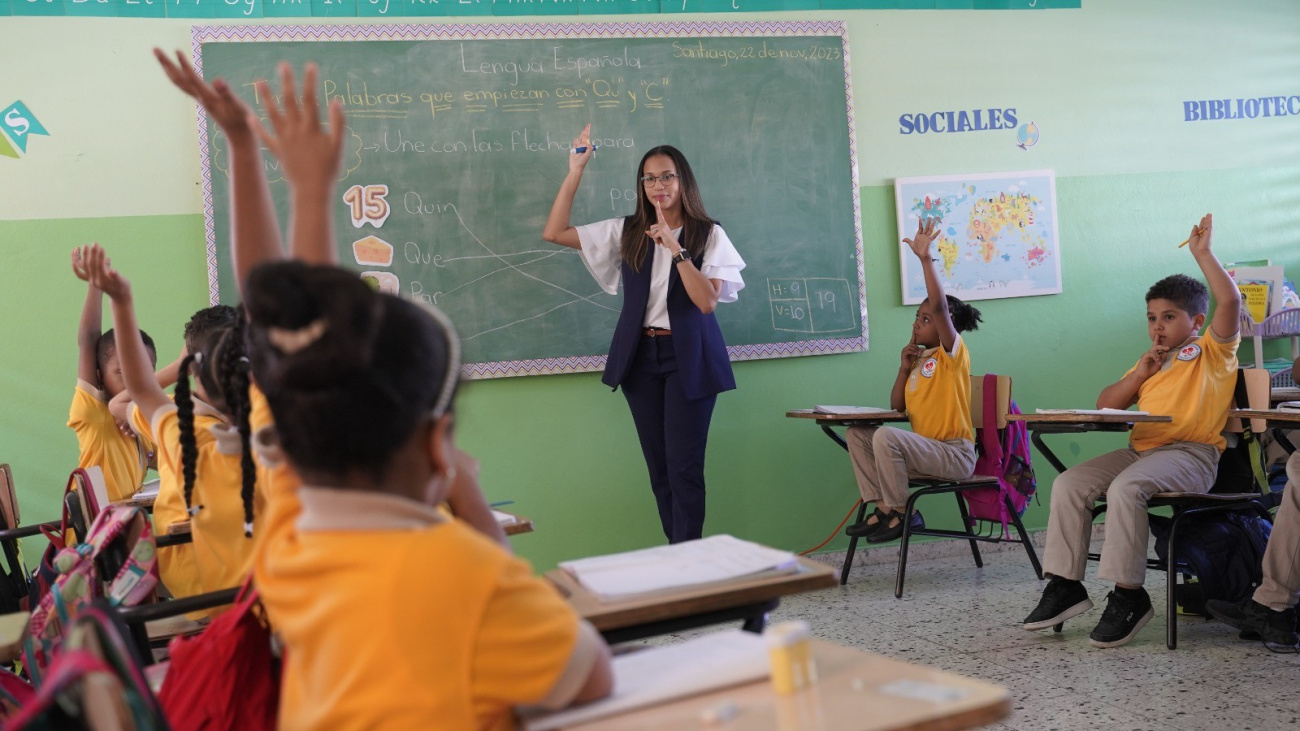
x: 1227, y: 299
x: 253, y: 224
x: 137, y: 369
x: 926, y: 232
x: 90, y: 327
x: 310, y: 156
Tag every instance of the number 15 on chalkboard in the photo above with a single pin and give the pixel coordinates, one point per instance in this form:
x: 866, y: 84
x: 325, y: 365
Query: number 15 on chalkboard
x: 367, y: 204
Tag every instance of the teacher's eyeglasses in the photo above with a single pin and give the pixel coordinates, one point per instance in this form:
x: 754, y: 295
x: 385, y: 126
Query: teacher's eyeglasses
x: 666, y: 179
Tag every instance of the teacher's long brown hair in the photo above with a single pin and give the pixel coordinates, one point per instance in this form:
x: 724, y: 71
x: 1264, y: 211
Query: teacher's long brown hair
x: 696, y: 223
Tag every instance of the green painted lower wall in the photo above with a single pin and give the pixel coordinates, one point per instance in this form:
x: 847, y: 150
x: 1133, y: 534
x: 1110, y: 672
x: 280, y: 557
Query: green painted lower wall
x: 563, y: 447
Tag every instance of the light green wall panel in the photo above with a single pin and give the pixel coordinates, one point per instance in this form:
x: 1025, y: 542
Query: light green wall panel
x: 563, y: 447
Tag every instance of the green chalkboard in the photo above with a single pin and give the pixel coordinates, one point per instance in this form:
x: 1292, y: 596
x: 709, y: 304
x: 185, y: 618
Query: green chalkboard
x: 458, y: 138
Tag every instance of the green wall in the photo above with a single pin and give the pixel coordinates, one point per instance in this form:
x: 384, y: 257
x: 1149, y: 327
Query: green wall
x: 1104, y: 84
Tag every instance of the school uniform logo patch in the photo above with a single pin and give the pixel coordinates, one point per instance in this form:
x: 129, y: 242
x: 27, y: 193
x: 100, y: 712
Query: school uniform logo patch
x: 1189, y: 352
x: 927, y: 368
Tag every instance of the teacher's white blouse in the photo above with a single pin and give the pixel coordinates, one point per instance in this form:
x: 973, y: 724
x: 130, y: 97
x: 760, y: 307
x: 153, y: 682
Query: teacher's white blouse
x: 601, y: 243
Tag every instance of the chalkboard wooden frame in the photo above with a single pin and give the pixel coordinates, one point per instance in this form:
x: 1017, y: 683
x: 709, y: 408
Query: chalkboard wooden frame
x: 856, y: 341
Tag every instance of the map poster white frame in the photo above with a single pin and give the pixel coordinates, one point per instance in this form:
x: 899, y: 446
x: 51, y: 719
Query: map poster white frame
x: 1038, y: 267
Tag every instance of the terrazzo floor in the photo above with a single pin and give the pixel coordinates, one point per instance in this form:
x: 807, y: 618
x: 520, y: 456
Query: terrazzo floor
x: 967, y: 620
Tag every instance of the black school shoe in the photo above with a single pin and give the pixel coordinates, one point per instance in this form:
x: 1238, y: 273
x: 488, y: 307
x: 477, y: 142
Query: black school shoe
x: 1062, y: 600
x: 885, y: 534
x: 864, y: 529
x: 1256, y: 621
x: 1123, y: 618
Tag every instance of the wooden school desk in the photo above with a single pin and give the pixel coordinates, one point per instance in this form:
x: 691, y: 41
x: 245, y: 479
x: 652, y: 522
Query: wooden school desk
x: 851, y: 694
x: 747, y: 599
x: 520, y: 526
x: 144, y: 502
x: 1284, y: 394
x: 1279, y: 420
x: 826, y: 421
x: 1040, y: 424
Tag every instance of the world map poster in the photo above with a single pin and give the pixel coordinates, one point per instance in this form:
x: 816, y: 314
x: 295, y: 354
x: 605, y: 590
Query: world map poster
x: 997, y: 234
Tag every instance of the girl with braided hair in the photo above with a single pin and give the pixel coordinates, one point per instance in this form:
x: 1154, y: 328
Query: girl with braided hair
x: 206, y: 468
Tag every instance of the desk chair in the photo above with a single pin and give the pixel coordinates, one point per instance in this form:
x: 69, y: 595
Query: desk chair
x: 15, y: 577
x: 924, y: 487
x: 1224, y: 498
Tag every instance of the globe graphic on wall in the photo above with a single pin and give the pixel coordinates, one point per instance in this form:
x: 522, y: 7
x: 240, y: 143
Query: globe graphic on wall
x: 1027, y: 136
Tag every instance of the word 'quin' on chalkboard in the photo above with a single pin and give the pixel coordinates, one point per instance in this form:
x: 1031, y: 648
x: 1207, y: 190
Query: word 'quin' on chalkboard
x: 458, y: 138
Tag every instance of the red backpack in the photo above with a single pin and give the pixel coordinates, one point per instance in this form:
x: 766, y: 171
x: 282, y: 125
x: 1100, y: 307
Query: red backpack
x: 1003, y: 454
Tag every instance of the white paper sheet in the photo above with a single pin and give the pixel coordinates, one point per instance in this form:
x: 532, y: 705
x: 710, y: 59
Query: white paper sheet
x: 504, y: 518
x: 661, y: 674
x: 716, y: 558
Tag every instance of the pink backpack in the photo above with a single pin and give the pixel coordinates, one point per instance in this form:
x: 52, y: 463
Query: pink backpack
x: 1005, y: 455
x: 78, y: 583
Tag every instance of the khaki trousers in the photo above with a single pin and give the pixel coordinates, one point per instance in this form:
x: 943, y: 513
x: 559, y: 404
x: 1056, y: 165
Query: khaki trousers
x: 884, y: 457
x: 1281, y: 587
x: 1128, y: 479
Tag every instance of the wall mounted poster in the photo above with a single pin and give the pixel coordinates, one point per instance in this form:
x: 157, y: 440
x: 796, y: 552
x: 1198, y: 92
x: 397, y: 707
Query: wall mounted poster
x: 998, y: 236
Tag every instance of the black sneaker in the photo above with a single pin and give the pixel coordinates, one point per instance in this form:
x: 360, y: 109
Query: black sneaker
x: 864, y: 529
x: 885, y: 534
x: 1256, y: 621
x: 1122, y: 620
x: 1062, y: 599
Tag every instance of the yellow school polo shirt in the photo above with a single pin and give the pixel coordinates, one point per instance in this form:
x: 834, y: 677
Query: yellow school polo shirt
x: 394, y: 617
x: 1195, y: 387
x: 220, y: 555
x: 123, y: 459
x: 937, y: 394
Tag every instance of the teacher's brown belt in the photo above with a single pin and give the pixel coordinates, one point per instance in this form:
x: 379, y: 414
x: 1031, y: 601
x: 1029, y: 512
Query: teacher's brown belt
x: 657, y: 332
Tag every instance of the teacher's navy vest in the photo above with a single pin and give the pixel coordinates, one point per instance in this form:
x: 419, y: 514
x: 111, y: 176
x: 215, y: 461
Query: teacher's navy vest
x: 702, y: 361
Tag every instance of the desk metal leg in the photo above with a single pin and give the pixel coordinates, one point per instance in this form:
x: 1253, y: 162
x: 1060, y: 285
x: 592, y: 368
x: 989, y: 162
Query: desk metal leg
x: 1279, y: 435
x: 835, y: 437
x: 754, y: 617
x: 1037, y: 439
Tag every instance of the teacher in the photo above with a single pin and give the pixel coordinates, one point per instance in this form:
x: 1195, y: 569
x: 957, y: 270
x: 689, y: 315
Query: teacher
x: 667, y: 354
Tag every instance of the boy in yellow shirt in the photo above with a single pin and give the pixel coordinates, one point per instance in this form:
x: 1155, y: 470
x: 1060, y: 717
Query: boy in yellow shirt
x: 1184, y: 375
x: 102, y: 439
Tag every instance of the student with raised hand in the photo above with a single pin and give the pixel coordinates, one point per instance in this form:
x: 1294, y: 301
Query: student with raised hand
x: 203, y: 441
x: 1187, y: 375
x: 933, y: 387
x: 676, y: 265
x: 103, y: 439
x: 310, y: 155
x: 1270, y: 613
x: 392, y: 615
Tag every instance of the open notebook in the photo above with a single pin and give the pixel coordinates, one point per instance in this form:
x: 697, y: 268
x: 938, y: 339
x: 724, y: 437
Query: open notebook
x: 148, y: 489
x: 662, y: 674
x: 621, y: 576
x: 853, y: 410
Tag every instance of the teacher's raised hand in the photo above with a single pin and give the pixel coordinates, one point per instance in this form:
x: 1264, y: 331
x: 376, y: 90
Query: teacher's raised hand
x: 578, y: 160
